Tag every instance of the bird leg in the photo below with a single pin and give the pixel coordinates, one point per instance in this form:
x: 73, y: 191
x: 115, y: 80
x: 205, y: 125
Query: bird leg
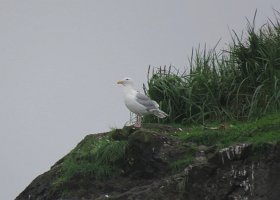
x: 138, y: 121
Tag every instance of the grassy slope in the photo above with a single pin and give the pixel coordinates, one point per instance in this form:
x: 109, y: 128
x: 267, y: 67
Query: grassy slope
x: 93, y: 158
x: 259, y: 132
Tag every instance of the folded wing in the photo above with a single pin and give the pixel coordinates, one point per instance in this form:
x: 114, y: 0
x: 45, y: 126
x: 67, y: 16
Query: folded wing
x: 151, y: 106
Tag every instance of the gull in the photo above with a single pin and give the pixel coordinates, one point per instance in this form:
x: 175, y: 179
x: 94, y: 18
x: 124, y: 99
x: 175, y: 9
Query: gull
x: 138, y: 103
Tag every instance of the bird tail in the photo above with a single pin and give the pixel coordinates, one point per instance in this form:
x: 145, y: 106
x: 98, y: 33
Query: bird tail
x: 159, y: 113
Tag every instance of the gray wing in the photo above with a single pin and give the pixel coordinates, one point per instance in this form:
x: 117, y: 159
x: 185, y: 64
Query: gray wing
x: 146, y: 101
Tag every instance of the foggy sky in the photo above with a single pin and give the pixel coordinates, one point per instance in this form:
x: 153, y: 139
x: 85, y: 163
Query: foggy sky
x: 60, y: 60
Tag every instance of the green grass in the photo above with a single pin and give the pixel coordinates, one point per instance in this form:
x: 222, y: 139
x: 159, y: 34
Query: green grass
x: 259, y: 132
x: 93, y: 158
x: 240, y: 82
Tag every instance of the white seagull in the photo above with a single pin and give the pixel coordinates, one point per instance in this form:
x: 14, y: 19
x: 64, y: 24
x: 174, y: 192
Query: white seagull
x: 139, y: 103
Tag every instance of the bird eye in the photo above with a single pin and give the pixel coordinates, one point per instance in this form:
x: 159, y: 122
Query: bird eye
x: 126, y: 79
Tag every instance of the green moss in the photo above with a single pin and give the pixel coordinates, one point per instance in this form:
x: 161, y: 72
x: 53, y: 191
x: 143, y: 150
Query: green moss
x: 257, y: 133
x: 143, y: 136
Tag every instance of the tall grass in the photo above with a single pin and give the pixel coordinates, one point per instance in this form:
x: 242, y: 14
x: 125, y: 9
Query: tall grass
x: 242, y: 82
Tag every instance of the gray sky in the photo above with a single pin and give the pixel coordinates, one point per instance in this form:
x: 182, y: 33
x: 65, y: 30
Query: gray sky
x: 60, y: 60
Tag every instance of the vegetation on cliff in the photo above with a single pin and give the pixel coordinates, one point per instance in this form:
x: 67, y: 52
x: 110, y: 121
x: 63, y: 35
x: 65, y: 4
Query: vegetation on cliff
x: 120, y: 152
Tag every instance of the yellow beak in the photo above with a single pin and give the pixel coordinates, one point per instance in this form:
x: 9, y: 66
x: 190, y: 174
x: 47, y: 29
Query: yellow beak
x: 120, y: 82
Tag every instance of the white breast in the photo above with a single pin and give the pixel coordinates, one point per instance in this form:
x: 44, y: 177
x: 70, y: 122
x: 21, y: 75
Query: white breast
x: 131, y: 103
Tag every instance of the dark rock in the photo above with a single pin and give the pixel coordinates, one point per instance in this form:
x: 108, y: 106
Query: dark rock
x: 235, y: 173
x: 143, y: 154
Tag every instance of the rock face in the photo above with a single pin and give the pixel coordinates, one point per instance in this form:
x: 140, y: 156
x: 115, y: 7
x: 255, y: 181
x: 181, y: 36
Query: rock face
x: 234, y: 173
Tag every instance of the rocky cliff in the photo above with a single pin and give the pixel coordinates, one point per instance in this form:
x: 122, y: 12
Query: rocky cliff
x: 154, y: 162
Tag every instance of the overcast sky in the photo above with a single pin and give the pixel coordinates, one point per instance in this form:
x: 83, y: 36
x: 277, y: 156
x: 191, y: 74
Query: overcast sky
x: 60, y: 60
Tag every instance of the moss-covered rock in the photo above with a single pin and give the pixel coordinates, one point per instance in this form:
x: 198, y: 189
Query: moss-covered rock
x: 142, y: 153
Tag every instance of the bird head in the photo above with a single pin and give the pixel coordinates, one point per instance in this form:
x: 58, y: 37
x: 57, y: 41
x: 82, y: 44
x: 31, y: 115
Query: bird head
x: 126, y: 82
